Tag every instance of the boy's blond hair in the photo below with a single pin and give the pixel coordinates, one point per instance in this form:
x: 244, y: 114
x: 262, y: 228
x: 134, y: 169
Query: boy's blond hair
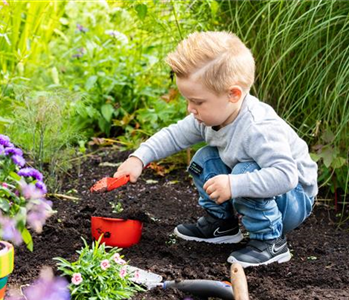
x: 220, y: 59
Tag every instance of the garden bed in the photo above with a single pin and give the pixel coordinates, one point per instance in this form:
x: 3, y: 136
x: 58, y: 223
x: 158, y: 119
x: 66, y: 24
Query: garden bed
x: 319, y: 268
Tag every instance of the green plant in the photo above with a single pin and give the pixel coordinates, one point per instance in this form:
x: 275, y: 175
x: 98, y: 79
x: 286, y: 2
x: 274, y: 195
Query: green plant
x: 334, y: 170
x: 117, y: 207
x: 99, y: 273
x: 52, y: 130
x: 22, y: 196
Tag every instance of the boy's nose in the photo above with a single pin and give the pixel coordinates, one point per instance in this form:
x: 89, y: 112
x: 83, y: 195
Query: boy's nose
x: 191, y: 109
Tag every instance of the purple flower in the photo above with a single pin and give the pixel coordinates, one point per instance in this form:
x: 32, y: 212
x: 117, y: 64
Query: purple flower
x: 30, y: 191
x: 48, y: 287
x: 18, y: 160
x: 5, y: 140
x: 2, y: 150
x: 9, y: 231
x: 5, y: 2
x: 81, y: 28
x: 80, y: 53
x: 31, y: 172
x: 41, y: 186
x: 13, y: 151
x: 39, y: 211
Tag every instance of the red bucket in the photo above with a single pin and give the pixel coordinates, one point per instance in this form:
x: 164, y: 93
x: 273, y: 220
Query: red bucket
x: 116, y: 232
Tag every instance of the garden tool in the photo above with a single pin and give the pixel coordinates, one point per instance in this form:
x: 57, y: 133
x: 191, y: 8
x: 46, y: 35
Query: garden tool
x: 108, y: 184
x: 198, y: 287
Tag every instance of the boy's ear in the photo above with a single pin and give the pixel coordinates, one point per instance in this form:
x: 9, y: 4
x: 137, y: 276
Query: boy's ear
x: 235, y: 93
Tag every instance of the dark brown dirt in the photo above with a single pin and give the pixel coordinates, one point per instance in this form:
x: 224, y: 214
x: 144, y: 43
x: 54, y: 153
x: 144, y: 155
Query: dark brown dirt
x: 319, y: 268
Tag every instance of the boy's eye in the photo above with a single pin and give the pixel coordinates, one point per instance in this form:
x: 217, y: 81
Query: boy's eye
x: 196, y: 102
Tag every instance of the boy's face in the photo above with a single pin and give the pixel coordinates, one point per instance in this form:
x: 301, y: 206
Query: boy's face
x: 208, y: 107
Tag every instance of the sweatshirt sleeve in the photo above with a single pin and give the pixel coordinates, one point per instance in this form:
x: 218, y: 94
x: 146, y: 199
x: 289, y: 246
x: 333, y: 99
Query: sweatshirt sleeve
x: 267, y: 145
x: 170, y: 140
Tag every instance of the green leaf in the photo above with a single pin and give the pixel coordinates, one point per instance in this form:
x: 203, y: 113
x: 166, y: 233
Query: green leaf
x: 214, y: 8
x: 107, y: 111
x: 5, y: 121
x: 315, y: 157
x: 4, y: 205
x: 141, y: 11
x: 90, y: 82
x: 328, y: 154
x: 338, y: 162
x: 27, y: 238
x: 328, y: 136
x: 15, y: 176
x: 64, y: 21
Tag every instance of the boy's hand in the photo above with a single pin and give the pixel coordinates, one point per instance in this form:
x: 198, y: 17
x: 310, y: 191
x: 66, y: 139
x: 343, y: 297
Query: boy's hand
x: 218, y: 188
x: 132, y: 166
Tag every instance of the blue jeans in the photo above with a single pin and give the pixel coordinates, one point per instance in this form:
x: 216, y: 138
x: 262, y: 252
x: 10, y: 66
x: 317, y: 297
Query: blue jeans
x: 263, y: 218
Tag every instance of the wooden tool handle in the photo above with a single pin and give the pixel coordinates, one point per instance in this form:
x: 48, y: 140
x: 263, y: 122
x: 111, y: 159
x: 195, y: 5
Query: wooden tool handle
x: 239, y: 282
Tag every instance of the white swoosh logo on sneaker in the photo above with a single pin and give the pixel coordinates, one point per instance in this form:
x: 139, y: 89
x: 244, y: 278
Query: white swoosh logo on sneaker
x: 217, y: 232
x: 275, y: 249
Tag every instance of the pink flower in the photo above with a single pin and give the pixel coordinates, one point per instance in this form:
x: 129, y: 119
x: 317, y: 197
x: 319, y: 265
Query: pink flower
x: 4, y: 184
x: 5, y: 2
x: 136, y: 276
x: 117, y: 258
x: 76, y: 278
x: 105, y: 264
x: 123, y: 272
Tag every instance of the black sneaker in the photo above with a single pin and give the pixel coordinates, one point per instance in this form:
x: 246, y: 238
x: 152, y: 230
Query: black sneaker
x: 211, y: 230
x: 258, y: 252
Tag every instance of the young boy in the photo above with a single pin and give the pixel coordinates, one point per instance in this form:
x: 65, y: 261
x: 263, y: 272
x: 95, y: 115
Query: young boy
x: 254, y: 163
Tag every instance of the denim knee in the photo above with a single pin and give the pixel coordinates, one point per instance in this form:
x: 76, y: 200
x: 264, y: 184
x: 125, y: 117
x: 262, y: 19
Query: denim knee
x: 205, y: 153
x: 207, y: 163
x: 245, y: 167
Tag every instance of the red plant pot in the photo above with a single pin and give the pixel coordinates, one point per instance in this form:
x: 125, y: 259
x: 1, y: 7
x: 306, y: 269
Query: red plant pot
x: 116, y: 232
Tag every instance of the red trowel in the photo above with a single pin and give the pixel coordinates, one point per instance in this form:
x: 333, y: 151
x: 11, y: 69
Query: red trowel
x: 108, y: 184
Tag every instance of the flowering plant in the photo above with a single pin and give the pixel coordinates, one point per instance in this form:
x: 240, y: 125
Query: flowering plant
x: 99, y: 274
x: 22, y: 196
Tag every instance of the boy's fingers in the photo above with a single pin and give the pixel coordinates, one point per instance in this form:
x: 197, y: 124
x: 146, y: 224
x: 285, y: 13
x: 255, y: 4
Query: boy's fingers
x: 133, y: 179
x: 118, y: 174
x: 207, y: 184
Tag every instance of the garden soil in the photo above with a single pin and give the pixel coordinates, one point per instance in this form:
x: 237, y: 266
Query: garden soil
x: 319, y: 268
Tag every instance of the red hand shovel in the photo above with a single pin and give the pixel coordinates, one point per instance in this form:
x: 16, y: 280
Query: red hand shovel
x: 108, y: 184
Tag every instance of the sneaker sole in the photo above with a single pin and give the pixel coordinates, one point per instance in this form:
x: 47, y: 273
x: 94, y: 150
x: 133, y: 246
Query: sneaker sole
x: 227, y: 239
x: 281, y: 258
